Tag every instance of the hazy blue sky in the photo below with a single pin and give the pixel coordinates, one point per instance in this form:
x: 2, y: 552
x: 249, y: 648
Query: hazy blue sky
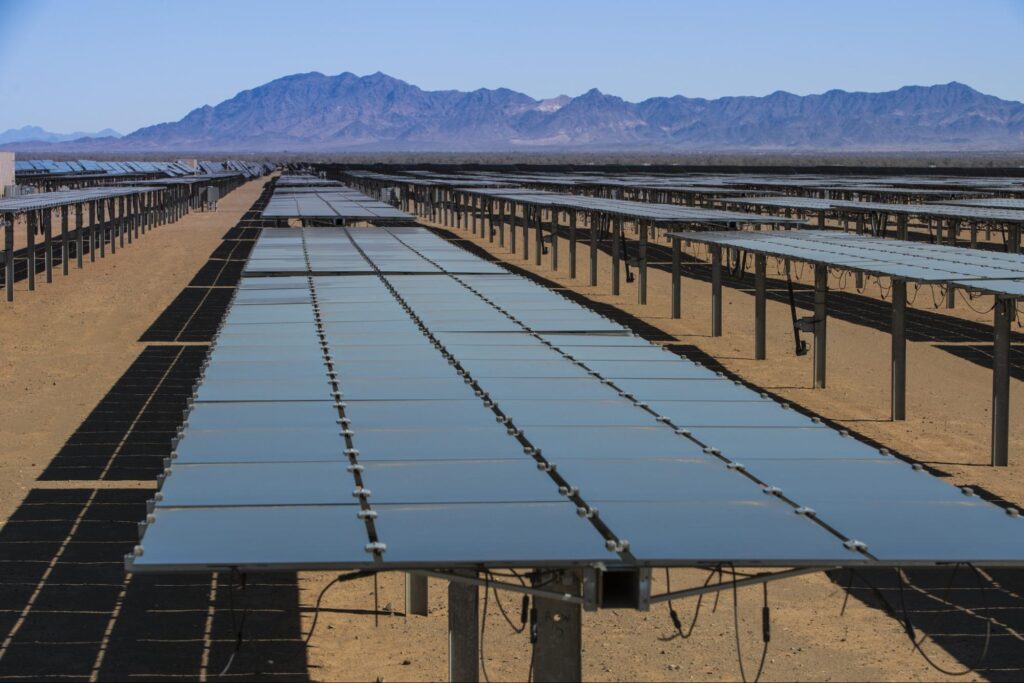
x: 88, y: 64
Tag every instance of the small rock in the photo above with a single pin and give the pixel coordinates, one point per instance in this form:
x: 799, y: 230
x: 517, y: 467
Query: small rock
x: 406, y: 662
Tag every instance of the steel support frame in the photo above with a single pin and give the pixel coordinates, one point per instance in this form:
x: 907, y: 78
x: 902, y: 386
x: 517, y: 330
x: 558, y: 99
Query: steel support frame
x: 31, y: 225
x: 760, y: 307
x: 755, y: 580
x: 558, y: 652
x: 416, y: 594
x: 616, y: 255
x: 820, y: 323
x: 463, y: 632
x: 899, y: 350
x: 643, y: 227
x: 716, y: 290
x: 593, y: 246
x: 538, y: 235
x: 1005, y: 311
x: 7, y: 221
x: 677, y: 279
x: 554, y: 238
x: 65, y: 248
x: 572, y: 245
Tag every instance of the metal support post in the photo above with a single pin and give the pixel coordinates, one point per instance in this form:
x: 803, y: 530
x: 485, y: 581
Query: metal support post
x: 677, y: 279
x: 593, y: 250
x: 79, y: 235
x: 8, y: 226
x: 144, y: 212
x: 122, y: 223
x: 527, y: 217
x: 501, y: 223
x: 899, y: 349
x: 136, y: 215
x: 572, y: 244
x: 65, y: 248
x: 416, y: 594
x: 1005, y: 311
x: 716, y: 290
x: 557, y: 653
x: 616, y: 254
x: 32, y: 220
x: 643, y: 227
x: 463, y: 633
x: 48, y: 243
x: 820, y: 319
x: 92, y: 231
x: 102, y: 237
x: 554, y: 239
x: 512, y: 227
x: 538, y: 226
x: 859, y: 277
x: 760, y: 309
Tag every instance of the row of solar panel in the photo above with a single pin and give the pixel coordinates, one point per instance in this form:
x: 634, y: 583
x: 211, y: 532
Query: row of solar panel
x: 262, y: 476
x: 972, y: 269
x: 43, y: 167
x: 43, y: 200
x: 332, y: 250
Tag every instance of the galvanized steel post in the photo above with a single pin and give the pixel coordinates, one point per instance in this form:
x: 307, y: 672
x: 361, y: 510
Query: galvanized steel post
x: 899, y: 349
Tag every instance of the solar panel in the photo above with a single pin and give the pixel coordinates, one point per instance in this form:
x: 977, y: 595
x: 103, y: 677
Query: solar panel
x: 664, y: 213
x: 50, y: 200
x: 311, y: 198
x: 416, y: 421
x: 982, y: 210
x: 990, y: 271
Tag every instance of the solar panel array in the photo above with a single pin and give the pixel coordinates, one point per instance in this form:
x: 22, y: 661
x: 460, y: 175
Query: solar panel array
x: 961, y: 210
x: 920, y: 262
x: 441, y: 419
x: 313, y: 198
x: 52, y: 200
x: 35, y: 168
x: 281, y: 250
x: 992, y: 202
x: 663, y: 213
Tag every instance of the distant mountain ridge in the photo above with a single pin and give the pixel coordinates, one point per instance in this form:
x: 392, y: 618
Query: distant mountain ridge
x: 37, y: 134
x: 312, y: 112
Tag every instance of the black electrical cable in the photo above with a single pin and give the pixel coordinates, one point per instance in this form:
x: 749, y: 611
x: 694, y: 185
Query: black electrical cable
x: 765, y: 630
x: 342, y: 578
x: 909, y: 626
x: 917, y: 290
x: 967, y: 300
x: 316, y: 611
x: 501, y: 608
x: 483, y: 628
x: 674, y: 616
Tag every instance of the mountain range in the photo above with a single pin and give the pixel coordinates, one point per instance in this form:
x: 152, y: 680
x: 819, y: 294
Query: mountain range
x: 312, y: 112
x: 37, y: 134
